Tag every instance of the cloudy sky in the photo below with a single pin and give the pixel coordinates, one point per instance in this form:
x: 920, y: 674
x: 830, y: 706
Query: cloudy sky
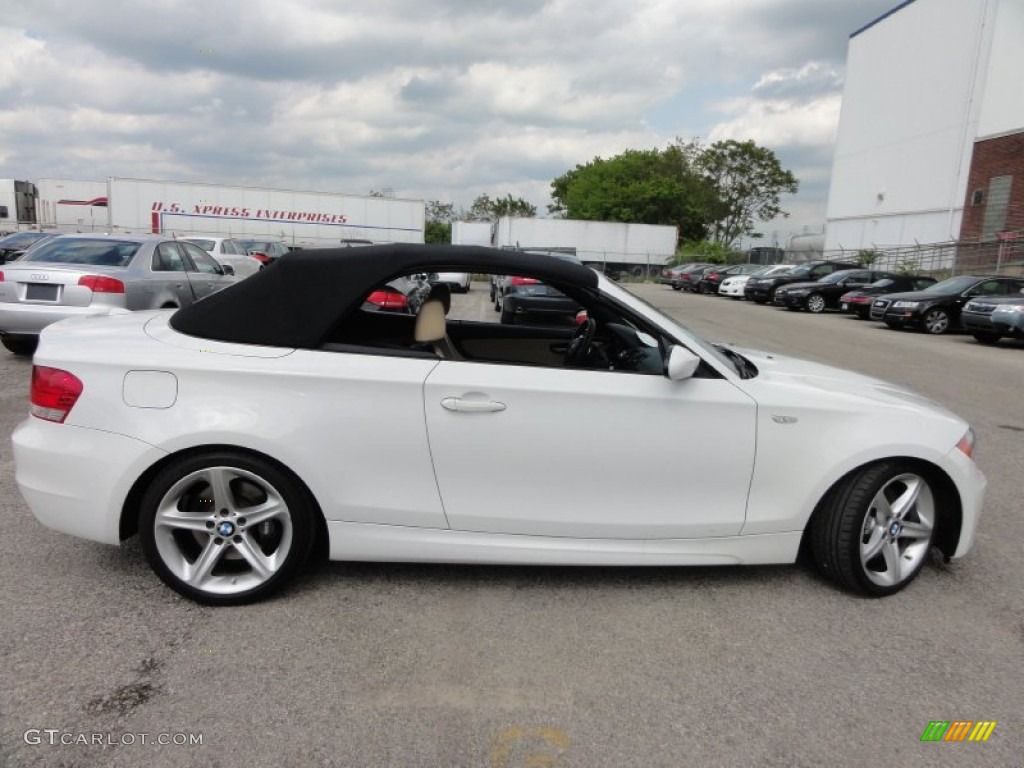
x: 435, y: 100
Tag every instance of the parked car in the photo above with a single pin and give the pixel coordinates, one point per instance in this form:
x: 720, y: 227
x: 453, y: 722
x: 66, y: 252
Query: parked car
x: 762, y: 289
x: 524, y: 297
x: 858, y: 302
x: 265, y: 251
x: 734, y: 286
x: 668, y: 274
x: 686, y: 279
x: 457, y: 281
x: 86, y: 275
x: 13, y: 246
x: 712, y: 277
x: 990, y: 319
x: 229, y: 251
x: 399, y: 429
x: 937, y: 308
x: 817, y: 296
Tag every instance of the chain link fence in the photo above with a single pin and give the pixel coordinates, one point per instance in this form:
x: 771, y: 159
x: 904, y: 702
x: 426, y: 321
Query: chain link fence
x: 1001, y: 256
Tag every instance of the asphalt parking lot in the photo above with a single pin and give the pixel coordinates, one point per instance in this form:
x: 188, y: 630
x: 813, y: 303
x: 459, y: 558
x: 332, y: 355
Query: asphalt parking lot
x: 415, y: 665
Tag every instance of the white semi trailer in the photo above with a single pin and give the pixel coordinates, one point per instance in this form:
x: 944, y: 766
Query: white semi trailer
x: 635, y: 249
x: 296, y: 218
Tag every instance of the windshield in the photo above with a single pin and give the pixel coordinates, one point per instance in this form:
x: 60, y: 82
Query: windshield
x: 885, y: 282
x: 206, y: 245
x: 93, y: 252
x: 671, y: 325
x: 21, y: 239
x: 801, y: 271
x: 952, y: 285
x: 836, y: 277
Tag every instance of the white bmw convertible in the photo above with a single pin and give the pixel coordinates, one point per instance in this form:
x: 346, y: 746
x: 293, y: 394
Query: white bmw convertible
x: 235, y: 434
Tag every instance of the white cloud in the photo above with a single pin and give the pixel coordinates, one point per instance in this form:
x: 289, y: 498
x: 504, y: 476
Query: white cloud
x: 437, y: 100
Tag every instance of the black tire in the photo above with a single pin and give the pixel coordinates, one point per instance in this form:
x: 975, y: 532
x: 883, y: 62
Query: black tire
x: 987, y: 337
x: 771, y: 296
x: 935, y: 321
x: 507, y: 317
x: 848, y: 522
x: 676, y: 287
x: 760, y: 301
x: 894, y: 325
x: 815, y: 303
x: 20, y: 345
x: 492, y: 291
x: 289, y: 534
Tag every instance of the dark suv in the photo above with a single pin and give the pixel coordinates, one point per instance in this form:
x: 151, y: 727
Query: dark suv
x: 762, y: 289
x: 937, y: 309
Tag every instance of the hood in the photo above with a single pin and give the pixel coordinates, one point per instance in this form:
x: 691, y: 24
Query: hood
x: 798, y: 286
x: 804, y: 381
x: 921, y: 296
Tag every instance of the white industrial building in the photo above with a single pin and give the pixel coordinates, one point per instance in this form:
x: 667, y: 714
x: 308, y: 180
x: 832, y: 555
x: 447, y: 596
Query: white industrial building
x: 932, y: 123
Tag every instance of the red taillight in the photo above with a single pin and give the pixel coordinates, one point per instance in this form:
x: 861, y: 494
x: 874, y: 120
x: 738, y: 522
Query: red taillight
x: 54, y: 393
x: 259, y: 256
x: 524, y: 281
x: 388, y: 299
x: 1, y: 277
x: 713, y: 276
x: 101, y: 284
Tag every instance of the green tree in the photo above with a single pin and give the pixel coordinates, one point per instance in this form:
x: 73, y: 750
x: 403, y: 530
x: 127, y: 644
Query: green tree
x: 748, y: 182
x: 642, y: 186
x: 438, y: 225
x: 867, y: 256
x: 486, y: 208
x: 713, y: 192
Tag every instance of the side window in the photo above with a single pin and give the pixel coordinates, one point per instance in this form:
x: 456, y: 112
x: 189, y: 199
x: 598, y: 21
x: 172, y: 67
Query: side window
x: 167, y: 258
x: 820, y: 271
x: 230, y: 247
x: 1012, y: 287
x: 203, y: 261
x: 989, y: 287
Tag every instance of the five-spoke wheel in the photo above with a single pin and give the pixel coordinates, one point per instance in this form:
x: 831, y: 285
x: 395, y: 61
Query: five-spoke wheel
x: 225, y: 527
x: 873, y: 532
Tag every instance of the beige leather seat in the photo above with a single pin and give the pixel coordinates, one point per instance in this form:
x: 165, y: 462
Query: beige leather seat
x: 431, y: 328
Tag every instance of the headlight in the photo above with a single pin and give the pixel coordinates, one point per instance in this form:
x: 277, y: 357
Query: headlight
x: 798, y: 292
x: 1008, y: 308
x: 906, y: 304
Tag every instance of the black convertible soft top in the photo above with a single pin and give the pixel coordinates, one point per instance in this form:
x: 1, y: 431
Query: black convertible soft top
x: 299, y: 299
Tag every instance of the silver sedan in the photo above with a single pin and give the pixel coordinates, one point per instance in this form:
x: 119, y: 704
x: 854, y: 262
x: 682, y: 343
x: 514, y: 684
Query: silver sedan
x: 76, y: 275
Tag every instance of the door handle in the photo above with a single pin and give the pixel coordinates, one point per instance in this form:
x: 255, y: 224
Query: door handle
x: 471, y: 406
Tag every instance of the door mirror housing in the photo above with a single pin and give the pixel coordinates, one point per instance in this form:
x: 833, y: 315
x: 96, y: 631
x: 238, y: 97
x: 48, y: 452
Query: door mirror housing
x: 681, y: 363
x: 227, y: 269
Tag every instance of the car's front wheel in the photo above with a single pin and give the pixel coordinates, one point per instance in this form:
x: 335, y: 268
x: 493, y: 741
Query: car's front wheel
x: 872, y: 533
x: 815, y: 303
x: 987, y: 337
x: 225, y: 527
x: 936, y: 321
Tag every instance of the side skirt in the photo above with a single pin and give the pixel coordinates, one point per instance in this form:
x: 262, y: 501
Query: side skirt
x: 392, y: 543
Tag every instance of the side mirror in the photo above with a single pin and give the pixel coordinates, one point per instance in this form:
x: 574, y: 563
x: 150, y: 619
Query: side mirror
x: 227, y: 269
x: 581, y: 317
x: 681, y: 363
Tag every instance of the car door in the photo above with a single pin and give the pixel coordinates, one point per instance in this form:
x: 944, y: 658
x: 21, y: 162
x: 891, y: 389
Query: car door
x: 167, y: 282
x: 208, y: 276
x: 551, y: 451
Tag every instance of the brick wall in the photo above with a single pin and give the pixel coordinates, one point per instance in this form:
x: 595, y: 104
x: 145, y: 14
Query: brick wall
x: 993, y: 158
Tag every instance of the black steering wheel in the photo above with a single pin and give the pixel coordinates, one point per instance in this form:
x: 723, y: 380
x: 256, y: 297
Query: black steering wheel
x: 576, y: 352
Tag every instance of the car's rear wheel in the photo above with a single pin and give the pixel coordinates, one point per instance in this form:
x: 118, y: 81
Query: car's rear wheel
x: 20, y: 345
x: 225, y: 527
x: 815, y: 303
x: 987, y: 337
x: 936, y: 321
x: 872, y: 533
